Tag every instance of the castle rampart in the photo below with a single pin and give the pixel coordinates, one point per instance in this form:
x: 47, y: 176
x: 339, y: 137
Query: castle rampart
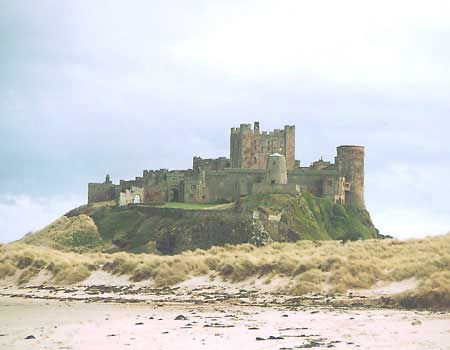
x: 247, y: 171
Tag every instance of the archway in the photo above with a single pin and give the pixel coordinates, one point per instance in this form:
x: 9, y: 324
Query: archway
x: 175, y: 195
x: 137, y: 199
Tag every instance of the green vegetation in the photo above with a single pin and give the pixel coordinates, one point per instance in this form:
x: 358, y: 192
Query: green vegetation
x: 309, y: 217
x: 190, y: 206
x: 162, y: 229
x: 307, y: 266
x: 79, y: 233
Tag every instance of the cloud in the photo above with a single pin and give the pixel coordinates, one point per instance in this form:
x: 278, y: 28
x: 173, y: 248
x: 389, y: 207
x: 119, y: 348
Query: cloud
x: 346, y: 43
x: 409, y: 222
x: 20, y: 214
x: 89, y: 89
x: 408, y: 199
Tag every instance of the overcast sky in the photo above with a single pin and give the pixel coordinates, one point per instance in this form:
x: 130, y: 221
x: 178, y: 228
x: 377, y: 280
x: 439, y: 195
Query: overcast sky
x: 95, y: 87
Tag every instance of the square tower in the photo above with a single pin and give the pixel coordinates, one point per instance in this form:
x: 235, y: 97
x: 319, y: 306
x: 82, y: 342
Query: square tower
x: 250, y: 148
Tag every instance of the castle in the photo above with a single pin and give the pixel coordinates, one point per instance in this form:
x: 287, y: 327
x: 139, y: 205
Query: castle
x: 260, y: 162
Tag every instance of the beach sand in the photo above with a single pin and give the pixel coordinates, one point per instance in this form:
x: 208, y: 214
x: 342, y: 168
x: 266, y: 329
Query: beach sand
x: 111, y: 312
x: 62, y: 324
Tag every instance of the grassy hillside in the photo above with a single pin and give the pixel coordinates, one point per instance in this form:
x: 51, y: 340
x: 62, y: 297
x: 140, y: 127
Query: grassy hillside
x: 175, y: 227
x: 78, y: 232
x: 307, y: 266
x: 312, y: 218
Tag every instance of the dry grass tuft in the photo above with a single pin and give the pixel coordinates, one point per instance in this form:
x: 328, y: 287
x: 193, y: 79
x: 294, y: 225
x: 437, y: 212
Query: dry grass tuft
x: 7, y: 269
x: 433, y: 292
x: 77, y: 233
x: 29, y: 260
x: 310, y: 266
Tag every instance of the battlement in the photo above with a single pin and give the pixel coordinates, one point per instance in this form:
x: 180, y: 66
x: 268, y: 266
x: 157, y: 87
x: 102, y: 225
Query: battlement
x: 250, y: 148
x: 320, y: 164
x: 210, y: 163
x: 246, y: 128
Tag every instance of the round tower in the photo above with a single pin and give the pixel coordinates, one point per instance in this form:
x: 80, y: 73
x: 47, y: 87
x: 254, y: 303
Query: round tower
x: 276, y: 173
x: 350, y: 164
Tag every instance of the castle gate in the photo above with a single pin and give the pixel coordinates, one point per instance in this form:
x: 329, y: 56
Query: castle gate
x: 174, y: 195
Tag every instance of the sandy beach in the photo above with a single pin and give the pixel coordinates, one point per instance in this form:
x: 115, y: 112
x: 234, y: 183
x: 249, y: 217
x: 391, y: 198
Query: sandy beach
x: 36, y: 323
x: 107, y: 311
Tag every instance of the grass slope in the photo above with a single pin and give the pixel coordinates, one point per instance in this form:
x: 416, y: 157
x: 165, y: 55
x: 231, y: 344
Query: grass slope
x: 316, y: 218
x: 190, y: 206
x: 175, y: 227
x: 80, y: 233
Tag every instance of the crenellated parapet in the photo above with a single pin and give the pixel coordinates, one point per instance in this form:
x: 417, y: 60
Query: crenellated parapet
x: 210, y: 163
x: 101, y: 192
x: 251, y: 147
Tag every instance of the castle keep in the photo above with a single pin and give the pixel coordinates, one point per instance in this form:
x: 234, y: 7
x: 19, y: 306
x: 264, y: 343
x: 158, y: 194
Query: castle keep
x: 260, y: 162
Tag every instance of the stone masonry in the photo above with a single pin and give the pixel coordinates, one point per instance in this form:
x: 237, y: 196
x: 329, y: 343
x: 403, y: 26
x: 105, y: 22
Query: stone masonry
x: 259, y: 162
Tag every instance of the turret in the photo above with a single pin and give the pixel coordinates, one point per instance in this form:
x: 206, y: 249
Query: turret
x: 276, y: 173
x: 289, y: 146
x: 256, y: 128
x: 350, y: 164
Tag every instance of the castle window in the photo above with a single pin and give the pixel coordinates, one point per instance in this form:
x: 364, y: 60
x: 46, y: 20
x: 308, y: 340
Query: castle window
x: 330, y: 182
x: 255, y: 160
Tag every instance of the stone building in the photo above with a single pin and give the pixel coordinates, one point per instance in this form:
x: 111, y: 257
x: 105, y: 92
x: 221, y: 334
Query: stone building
x: 260, y: 162
x: 250, y: 148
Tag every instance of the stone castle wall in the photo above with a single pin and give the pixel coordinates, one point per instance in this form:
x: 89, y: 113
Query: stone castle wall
x: 350, y: 164
x: 230, y: 184
x: 250, y: 148
x: 101, y: 192
x: 210, y: 164
x: 133, y: 195
x: 246, y: 172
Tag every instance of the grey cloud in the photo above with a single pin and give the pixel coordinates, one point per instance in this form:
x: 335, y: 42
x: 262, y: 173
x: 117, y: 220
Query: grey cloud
x: 88, y: 90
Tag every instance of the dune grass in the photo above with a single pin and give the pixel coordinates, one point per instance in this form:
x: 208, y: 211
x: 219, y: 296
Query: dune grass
x: 78, y: 232
x: 26, y: 261
x: 310, y: 266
